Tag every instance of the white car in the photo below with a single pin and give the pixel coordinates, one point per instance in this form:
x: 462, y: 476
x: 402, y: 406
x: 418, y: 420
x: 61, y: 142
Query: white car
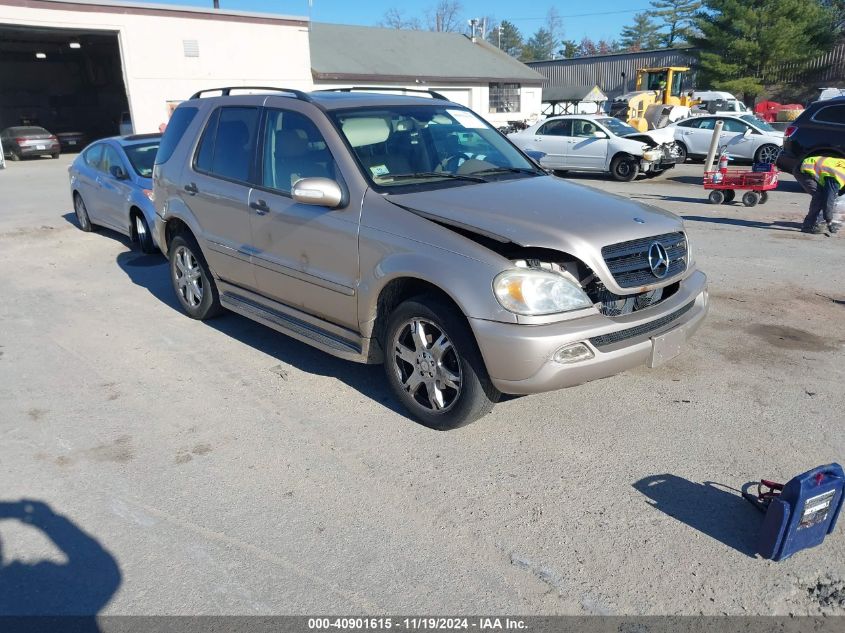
x: 714, y: 101
x: 598, y: 143
x: 743, y: 135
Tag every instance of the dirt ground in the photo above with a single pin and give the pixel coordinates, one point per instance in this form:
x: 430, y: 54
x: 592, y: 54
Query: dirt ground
x: 179, y: 467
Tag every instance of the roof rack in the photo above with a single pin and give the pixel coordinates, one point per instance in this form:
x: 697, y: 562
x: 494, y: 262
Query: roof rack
x: 224, y: 92
x: 431, y: 93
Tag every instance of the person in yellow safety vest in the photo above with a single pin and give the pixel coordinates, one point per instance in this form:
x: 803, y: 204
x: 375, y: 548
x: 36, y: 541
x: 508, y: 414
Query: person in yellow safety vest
x: 823, y: 177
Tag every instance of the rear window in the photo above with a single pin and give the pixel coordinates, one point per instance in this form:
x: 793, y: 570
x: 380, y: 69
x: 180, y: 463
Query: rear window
x: 142, y: 156
x: 29, y: 130
x: 228, y: 143
x: 831, y: 114
x: 176, y: 127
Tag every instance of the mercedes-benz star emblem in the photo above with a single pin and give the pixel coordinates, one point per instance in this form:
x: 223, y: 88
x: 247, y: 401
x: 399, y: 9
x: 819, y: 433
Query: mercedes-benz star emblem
x: 658, y: 260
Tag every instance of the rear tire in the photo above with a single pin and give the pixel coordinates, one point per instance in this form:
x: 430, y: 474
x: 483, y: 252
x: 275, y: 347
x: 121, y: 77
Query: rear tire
x: 730, y: 195
x: 624, y: 168
x: 82, y: 216
x: 433, y: 364
x: 767, y: 153
x: 764, y: 197
x: 191, y: 277
x: 142, y: 233
x: 56, y: 155
x: 716, y: 196
x: 750, y: 198
x: 14, y: 156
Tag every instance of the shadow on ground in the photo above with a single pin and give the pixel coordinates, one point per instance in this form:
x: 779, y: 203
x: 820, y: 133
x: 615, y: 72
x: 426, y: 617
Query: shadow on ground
x: 778, y: 225
x: 710, y: 508
x: 80, y: 586
x: 152, y: 272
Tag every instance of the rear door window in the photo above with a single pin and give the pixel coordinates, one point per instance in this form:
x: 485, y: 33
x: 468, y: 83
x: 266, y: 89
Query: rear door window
x: 228, y: 144
x: 561, y: 127
x: 110, y: 159
x: 732, y: 125
x: 93, y: 155
x: 831, y: 114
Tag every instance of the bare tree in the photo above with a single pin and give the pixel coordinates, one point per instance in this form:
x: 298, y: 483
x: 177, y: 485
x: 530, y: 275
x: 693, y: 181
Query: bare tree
x: 445, y: 16
x: 395, y: 19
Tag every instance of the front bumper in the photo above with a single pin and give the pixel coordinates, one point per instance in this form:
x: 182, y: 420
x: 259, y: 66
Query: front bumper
x: 519, y: 357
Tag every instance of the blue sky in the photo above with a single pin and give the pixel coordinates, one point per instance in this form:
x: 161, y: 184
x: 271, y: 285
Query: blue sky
x: 606, y: 18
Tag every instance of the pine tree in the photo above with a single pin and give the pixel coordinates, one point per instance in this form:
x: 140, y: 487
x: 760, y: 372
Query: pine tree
x: 741, y: 41
x: 507, y: 37
x: 539, y: 46
x: 641, y: 35
x: 676, y: 18
x: 569, y: 50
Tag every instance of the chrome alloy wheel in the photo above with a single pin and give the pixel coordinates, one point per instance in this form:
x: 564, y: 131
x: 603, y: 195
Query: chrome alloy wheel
x: 427, y: 365
x: 140, y: 228
x: 769, y: 153
x: 188, y: 276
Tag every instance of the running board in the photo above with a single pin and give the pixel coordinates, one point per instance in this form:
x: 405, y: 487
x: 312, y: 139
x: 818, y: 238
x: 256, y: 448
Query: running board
x: 293, y: 327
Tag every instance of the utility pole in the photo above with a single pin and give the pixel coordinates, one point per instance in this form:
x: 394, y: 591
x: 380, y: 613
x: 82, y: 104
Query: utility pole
x: 216, y: 4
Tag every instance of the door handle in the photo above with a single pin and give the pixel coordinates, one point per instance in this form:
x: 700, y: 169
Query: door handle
x: 191, y: 188
x: 260, y: 207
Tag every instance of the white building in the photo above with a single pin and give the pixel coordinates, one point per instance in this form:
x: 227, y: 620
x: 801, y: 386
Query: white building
x: 79, y: 65
x: 466, y: 70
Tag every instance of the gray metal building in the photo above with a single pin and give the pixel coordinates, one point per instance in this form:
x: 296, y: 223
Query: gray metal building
x: 606, y: 71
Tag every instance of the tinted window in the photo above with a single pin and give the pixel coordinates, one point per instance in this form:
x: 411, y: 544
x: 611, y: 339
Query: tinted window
x: 831, y: 114
x: 30, y: 130
x: 176, y: 127
x: 142, y: 156
x: 293, y: 149
x: 732, y: 125
x: 234, y: 143
x: 205, y: 151
x: 561, y: 127
x: 110, y: 159
x: 706, y: 124
x: 92, y: 155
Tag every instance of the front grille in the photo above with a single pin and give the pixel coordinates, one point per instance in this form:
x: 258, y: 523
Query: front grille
x: 623, y: 335
x: 628, y: 261
x: 613, y: 305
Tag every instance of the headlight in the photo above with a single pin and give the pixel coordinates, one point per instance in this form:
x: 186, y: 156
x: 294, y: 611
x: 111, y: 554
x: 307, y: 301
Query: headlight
x: 149, y: 194
x: 652, y: 154
x: 535, y: 292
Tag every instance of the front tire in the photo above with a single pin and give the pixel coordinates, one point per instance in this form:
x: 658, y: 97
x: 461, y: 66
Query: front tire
x: 192, y: 281
x: 142, y: 232
x: 624, y: 168
x: 433, y: 364
x: 683, y: 154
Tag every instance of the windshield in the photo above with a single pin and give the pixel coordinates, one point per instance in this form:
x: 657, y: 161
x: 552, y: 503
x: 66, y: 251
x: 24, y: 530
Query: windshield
x: 414, y: 144
x: 142, y: 156
x: 753, y: 120
x: 617, y: 127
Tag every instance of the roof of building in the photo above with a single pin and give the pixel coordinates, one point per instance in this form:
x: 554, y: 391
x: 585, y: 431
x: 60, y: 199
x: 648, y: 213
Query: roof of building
x: 364, y: 53
x: 572, y: 93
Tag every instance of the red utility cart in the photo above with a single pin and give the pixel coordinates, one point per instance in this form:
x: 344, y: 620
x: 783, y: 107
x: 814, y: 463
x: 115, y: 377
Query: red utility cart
x: 756, y: 181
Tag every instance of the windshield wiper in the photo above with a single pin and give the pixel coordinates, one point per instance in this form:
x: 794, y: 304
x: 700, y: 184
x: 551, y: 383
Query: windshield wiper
x: 435, y: 174
x: 510, y: 170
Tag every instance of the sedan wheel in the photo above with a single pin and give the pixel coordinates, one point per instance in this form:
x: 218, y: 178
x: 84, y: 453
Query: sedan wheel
x: 142, y: 232
x: 82, y: 214
x: 767, y: 154
x: 624, y: 168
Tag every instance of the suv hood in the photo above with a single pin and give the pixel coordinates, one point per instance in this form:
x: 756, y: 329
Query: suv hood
x: 544, y: 212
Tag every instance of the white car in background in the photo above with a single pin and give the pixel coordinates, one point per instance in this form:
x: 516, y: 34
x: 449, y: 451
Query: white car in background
x: 583, y: 142
x: 744, y: 136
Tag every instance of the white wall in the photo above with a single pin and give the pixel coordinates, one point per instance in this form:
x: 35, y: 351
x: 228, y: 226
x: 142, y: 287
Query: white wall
x: 155, y: 67
x: 475, y: 97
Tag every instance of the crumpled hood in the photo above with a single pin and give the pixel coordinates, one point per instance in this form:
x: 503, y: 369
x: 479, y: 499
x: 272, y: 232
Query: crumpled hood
x: 545, y: 212
x: 659, y: 136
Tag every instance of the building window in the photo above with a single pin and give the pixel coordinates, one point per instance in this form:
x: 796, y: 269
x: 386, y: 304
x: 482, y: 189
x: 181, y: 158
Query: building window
x: 504, y: 97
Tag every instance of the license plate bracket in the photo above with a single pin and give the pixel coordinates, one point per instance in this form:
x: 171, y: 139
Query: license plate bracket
x: 40, y: 147
x: 667, y: 346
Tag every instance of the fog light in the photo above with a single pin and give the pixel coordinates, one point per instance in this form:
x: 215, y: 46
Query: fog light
x: 572, y: 353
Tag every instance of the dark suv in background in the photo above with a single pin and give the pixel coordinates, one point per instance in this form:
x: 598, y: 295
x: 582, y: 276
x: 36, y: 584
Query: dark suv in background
x: 819, y: 130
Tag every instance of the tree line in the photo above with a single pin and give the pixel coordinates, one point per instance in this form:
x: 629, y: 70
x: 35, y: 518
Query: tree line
x: 739, y: 43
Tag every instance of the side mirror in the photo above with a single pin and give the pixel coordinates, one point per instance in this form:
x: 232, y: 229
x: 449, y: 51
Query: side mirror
x: 117, y: 172
x: 748, y: 132
x: 599, y: 134
x: 322, y: 192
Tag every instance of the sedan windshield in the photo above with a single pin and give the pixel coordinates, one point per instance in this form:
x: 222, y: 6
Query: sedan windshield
x: 142, y: 156
x: 412, y: 145
x: 617, y: 127
x: 753, y: 120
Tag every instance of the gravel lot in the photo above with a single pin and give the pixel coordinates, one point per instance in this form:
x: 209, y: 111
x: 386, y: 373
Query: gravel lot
x: 225, y: 468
